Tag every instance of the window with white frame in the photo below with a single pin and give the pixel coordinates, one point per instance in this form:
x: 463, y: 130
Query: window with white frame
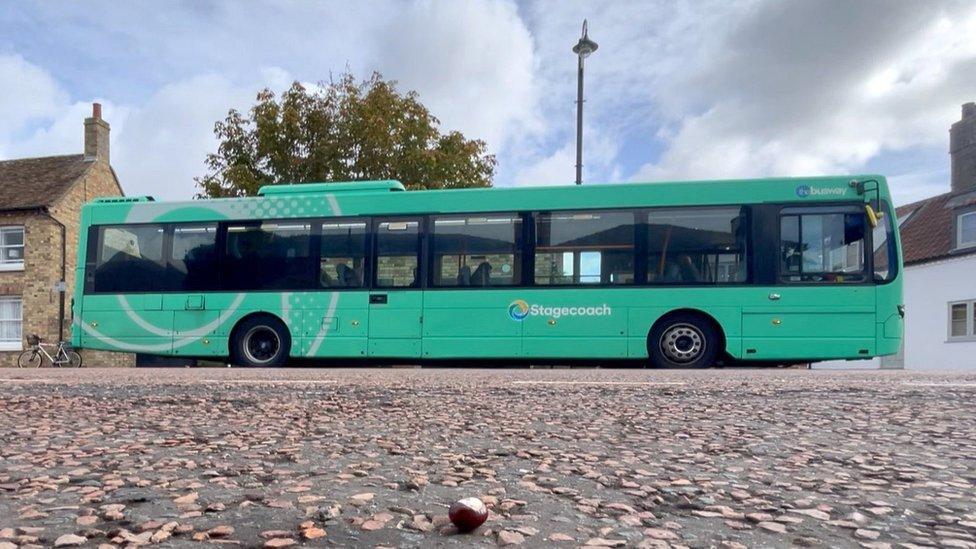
x: 11, y: 248
x: 962, y: 320
x: 11, y: 320
x: 966, y: 230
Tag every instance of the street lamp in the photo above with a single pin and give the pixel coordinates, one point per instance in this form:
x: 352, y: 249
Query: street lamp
x: 582, y: 49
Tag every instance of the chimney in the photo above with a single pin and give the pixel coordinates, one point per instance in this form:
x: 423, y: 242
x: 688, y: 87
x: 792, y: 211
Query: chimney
x: 96, y: 135
x: 962, y: 150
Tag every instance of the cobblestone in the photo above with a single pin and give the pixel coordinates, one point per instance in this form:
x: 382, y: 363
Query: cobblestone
x: 375, y: 457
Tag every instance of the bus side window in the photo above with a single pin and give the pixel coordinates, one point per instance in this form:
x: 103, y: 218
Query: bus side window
x: 822, y: 247
x: 884, y: 246
x: 397, y: 248
x: 476, y: 250
x: 130, y: 259
x: 192, y: 264
x: 584, y: 248
x: 343, y: 254
x: 697, y: 246
x: 270, y: 255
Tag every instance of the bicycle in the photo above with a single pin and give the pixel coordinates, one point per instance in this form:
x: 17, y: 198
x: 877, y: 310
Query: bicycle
x: 33, y: 357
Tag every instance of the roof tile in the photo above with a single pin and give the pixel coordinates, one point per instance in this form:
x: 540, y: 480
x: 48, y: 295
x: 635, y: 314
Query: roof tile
x: 927, y: 234
x: 30, y: 183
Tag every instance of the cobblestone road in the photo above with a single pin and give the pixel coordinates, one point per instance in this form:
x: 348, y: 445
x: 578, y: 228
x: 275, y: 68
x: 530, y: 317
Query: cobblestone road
x: 570, y: 457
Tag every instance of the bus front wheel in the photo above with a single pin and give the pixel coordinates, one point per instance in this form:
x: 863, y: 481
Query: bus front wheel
x: 683, y: 340
x: 261, y: 342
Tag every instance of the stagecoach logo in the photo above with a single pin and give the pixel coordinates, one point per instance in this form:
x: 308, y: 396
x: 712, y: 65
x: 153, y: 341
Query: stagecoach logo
x: 804, y: 191
x: 519, y: 309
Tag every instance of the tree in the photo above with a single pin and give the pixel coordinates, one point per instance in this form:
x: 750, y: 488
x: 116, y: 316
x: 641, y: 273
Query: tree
x: 341, y: 131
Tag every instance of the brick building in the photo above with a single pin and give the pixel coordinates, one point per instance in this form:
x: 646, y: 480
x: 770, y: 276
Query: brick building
x: 40, y: 205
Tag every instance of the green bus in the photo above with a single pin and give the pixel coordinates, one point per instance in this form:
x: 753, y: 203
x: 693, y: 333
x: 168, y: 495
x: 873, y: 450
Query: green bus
x: 681, y: 274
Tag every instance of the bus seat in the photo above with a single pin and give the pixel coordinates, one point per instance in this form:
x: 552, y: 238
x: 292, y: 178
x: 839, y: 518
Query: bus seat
x: 686, y: 269
x: 464, y: 276
x: 482, y: 275
x: 325, y: 280
x: 672, y: 272
x: 739, y: 273
x: 347, y: 276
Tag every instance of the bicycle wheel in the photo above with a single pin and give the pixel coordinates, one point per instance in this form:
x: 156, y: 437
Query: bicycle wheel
x: 74, y: 359
x: 29, y: 359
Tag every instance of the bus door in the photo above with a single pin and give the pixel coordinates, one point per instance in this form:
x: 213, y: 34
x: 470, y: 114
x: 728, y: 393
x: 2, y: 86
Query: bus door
x: 122, y: 308
x: 475, y: 269
x: 396, y: 300
x: 191, y: 271
x: 194, y: 325
x: 822, y: 305
x: 579, y: 257
x: 337, y: 314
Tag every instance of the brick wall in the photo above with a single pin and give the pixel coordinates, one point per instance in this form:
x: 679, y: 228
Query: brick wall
x: 12, y: 282
x: 42, y: 265
x: 962, y: 149
x: 35, y: 284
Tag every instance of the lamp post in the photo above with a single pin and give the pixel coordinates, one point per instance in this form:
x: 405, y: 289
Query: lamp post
x: 582, y: 49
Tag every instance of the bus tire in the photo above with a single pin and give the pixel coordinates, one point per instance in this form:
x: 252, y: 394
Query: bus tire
x: 260, y: 341
x: 683, y: 340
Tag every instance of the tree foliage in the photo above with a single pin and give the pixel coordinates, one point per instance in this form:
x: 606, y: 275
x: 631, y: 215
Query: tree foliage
x: 346, y: 130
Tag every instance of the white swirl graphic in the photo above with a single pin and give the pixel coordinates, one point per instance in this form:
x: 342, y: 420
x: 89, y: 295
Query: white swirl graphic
x: 324, y: 329
x: 186, y: 338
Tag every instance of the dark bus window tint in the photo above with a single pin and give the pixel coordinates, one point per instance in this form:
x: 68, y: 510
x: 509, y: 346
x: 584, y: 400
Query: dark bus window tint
x: 696, y: 246
x: 822, y: 247
x: 584, y: 248
x: 397, y: 244
x: 790, y: 243
x: 193, y: 263
x: 130, y: 259
x: 272, y: 255
x: 884, y: 246
x: 476, y: 251
x: 343, y: 256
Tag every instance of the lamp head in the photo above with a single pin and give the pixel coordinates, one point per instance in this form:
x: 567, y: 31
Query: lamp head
x: 585, y: 46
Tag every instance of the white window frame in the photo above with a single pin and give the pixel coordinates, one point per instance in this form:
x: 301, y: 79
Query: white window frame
x: 5, y: 264
x: 11, y: 345
x: 959, y: 242
x: 970, y: 322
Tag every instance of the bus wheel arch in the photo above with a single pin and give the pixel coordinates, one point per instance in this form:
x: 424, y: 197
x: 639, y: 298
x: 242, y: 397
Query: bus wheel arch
x: 685, y: 338
x: 259, y: 339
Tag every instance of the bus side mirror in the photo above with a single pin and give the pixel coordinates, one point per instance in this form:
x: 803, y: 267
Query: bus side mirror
x: 872, y: 215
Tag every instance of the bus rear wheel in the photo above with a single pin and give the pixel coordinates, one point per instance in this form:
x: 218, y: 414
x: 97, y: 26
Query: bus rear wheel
x: 683, y: 340
x: 261, y: 342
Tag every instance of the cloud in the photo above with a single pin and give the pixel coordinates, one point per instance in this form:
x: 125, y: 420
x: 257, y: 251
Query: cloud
x: 559, y: 168
x: 177, y: 71
x: 677, y: 90
x: 134, y: 48
x: 157, y: 147
x: 165, y: 141
x: 30, y: 95
x: 908, y: 187
x: 641, y: 47
x: 471, y: 62
x: 799, y: 88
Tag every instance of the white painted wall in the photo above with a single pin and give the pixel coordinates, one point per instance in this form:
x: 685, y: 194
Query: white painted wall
x: 929, y: 288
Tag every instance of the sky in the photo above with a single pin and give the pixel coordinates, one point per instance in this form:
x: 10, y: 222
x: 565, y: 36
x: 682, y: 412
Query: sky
x: 677, y: 90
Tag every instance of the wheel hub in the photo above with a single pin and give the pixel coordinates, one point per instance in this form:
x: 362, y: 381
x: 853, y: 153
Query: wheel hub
x: 261, y: 344
x: 682, y: 343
